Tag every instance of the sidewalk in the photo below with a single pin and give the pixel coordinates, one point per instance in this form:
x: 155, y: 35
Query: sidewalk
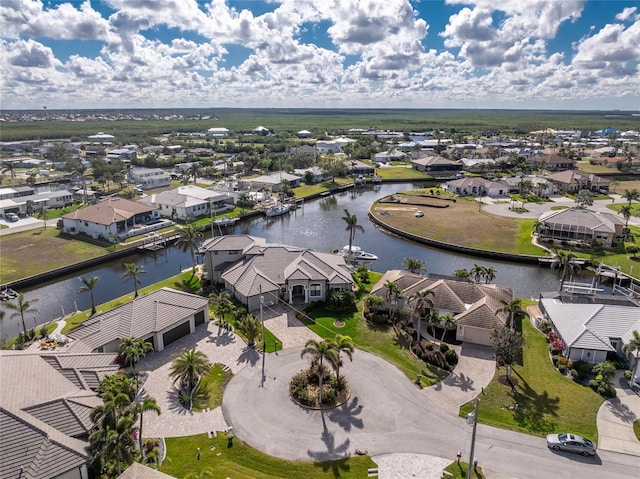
x: 615, y: 420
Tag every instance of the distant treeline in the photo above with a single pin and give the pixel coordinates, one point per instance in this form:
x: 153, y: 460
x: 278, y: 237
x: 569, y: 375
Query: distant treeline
x: 284, y: 122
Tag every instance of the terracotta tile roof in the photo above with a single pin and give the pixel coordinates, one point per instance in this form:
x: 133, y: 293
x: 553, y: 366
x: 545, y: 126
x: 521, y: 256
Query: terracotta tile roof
x: 109, y: 211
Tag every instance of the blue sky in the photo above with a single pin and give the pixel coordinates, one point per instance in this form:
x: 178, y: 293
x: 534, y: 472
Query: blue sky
x: 539, y: 54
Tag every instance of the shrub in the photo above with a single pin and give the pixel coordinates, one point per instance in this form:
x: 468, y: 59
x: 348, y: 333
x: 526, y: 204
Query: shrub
x: 451, y: 357
x: 436, y: 358
x: 627, y: 374
x: 582, y: 367
x: 545, y: 326
x: 554, y: 359
x: 575, y: 375
x: 562, y: 361
x: 444, y: 347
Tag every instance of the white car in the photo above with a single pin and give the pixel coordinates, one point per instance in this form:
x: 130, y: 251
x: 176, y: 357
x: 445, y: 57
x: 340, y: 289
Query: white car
x: 572, y: 443
x: 419, y: 214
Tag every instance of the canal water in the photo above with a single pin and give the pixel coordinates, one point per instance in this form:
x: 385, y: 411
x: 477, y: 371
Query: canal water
x: 315, y: 224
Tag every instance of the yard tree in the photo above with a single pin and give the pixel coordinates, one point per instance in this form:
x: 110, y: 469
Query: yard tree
x: 21, y: 307
x: 249, y: 326
x: 393, y: 294
x: 565, y: 264
x: 133, y: 271
x: 633, y: 250
x: 333, y: 166
x: 9, y: 167
x: 89, y: 285
x: 448, y: 323
x: 414, y: 265
x: 489, y: 274
x: 189, y: 239
x: 631, y: 195
x: 507, y: 346
x: 625, y: 211
x: 462, y: 274
x: 514, y: 311
x: 222, y: 305
x: 352, y: 226
x: 372, y: 302
x: 343, y: 344
x: 422, y: 305
x: 148, y: 404
x: 133, y: 350
x: 584, y: 198
x: 320, y: 351
x: 188, y: 366
x: 633, y: 347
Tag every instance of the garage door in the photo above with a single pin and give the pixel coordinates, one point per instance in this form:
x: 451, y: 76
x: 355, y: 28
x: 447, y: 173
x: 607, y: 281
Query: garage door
x: 477, y: 336
x: 176, y: 333
x: 199, y: 317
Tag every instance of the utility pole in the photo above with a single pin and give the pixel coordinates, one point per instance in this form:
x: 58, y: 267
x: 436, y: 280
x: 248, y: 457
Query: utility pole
x: 264, y: 343
x: 472, y: 420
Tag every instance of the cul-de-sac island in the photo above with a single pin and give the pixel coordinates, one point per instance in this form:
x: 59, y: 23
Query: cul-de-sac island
x: 351, y: 300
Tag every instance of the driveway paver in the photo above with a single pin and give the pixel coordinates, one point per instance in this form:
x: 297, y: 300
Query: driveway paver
x: 615, y: 421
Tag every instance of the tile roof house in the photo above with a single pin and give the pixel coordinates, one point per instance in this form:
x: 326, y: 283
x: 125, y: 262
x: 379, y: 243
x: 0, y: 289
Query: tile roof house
x: 272, y: 181
x: 572, y: 181
x: 581, y: 226
x: 188, y: 202
x: 45, y: 414
x: 140, y: 471
x: 250, y: 268
x: 160, y: 317
x: 111, y: 217
x: 475, y: 307
x: 475, y: 186
x: 552, y: 162
x: 593, y: 328
x: 437, y: 165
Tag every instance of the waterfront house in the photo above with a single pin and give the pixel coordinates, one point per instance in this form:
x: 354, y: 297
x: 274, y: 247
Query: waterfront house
x: 270, y: 182
x: 437, y: 165
x: 551, y: 162
x: 592, y: 326
x: 474, y: 307
x: 188, y: 202
x: 110, y: 218
x: 148, y: 178
x: 328, y: 146
x: 218, y: 132
x: 160, y: 318
x: 249, y: 268
x: 581, y: 227
x: 36, y: 202
x: 572, y: 181
x: 476, y: 186
x: 45, y: 413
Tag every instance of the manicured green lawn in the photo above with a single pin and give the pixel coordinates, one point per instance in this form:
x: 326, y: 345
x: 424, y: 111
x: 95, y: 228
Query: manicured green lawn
x: 381, y: 340
x: 243, y: 462
x: 400, y: 172
x: 547, y: 401
x: 460, y: 471
x: 211, y: 388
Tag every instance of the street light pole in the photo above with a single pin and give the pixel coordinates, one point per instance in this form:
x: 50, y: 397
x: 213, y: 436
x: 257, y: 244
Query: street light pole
x: 472, y: 419
x: 264, y: 343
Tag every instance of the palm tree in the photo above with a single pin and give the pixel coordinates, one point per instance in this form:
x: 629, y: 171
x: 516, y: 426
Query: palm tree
x: 422, y: 304
x: 462, y: 273
x: 249, y: 325
x: 613, y: 185
x: 222, y: 305
x: 414, y: 265
x: 433, y: 320
x: 448, y: 322
x: 132, y: 272
x: 393, y: 293
x: 625, y: 211
x: 477, y: 272
x: 343, y: 344
x: 114, y: 445
x: 631, y: 195
x: 352, y: 227
x: 188, y: 366
x: 190, y: 237
x: 133, y: 350
x: 194, y: 170
x: 489, y: 274
x: 22, y: 306
x: 633, y: 346
x: 9, y: 167
x: 89, y: 284
x: 514, y: 311
x: 320, y: 352
x: 565, y: 263
x: 148, y: 404
x: 81, y: 170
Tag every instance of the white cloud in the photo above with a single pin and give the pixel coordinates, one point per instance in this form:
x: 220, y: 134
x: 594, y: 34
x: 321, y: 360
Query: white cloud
x: 626, y: 14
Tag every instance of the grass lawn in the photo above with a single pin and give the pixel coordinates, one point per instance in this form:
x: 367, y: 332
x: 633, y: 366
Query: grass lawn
x: 381, y: 340
x: 243, y: 462
x: 175, y: 282
x: 595, y: 169
x: 548, y: 402
x: 211, y: 388
x: 636, y: 428
x: 460, y: 471
x: 35, y: 251
x: 57, y: 212
x: 462, y: 223
x: 400, y: 172
x: 635, y: 208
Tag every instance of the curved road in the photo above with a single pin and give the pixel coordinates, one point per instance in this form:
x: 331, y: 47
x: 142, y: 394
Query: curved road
x: 385, y: 414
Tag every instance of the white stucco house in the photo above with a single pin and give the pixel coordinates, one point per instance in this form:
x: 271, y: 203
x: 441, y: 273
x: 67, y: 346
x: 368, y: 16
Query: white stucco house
x: 476, y: 186
x: 188, y: 202
x: 149, y: 178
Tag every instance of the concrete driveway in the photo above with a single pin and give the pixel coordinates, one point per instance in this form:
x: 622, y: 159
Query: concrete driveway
x: 615, y: 421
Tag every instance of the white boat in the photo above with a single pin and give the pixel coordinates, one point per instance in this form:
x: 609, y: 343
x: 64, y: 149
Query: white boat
x: 224, y: 221
x: 277, y: 210
x: 356, y: 254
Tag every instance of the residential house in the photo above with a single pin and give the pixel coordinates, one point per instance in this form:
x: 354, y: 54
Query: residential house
x: 315, y: 174
x: 476, y: 308
x: 271, y: 182
x: 45, y: 413
x: 581, y: 226
x: 357, y: 168
x: 437, y: 165
x: 111, y: 218
x: 389, y: 156
x: 149, y: 178
x: 101, y: 137
x: 188, y: 202
x: 218, y: 132
x: 476, y: 186
x: 551, y: 162
x: 140, y: 471
x: 121, y: 154
x: 8, y: 192
x: 326, y: 146
x: 307, y: 150
x: 160, y: 318
x: 251, y: 269
x: 572, y: 181
x: 304, y: 134
x: 261, y: 130
x: 592, y: 326
x: 36, y: 202
x: 540, y: 185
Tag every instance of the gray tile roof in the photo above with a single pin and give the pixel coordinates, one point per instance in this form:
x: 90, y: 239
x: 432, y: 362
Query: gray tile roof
x: 139, y: 318
x: 575, y: 219
x: 140, y: 471
x: 65, y: 415
x: 231, y: 242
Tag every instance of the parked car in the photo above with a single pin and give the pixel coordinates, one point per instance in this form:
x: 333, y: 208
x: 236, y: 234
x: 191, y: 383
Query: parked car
x: 419, y: 214
x: 572, y: 443
x: 11, y: 217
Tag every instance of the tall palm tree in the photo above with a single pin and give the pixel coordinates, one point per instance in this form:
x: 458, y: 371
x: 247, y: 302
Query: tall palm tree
x: 414, y: 265
x: 393, y: 293
x: 21, y: 307
x: 352, y: 227
x: 89, y: 284
x: 633, y: 346
x: 477, y: 272
x: 343, y: 344
x: 188, y: 366
x: 433, y: 321
x: 625, y: 211
x: 631, y: 195
x: 133, y: 350
x: 565, y: 263
x: 114, y: 445
x: 194, y: 171
x: 489, y: 274
x: 422, y: 304
x: 148, y: 404
x: 222, y: 305
x: 133, y: 271
x: 462, y: 273
x: 514, y: 311
x: 448, y: 323
x: 250, y: 327
x: 320, y: 352
x: 9, y: 167
x: 81, y: 170
x: 613, y: 185
x: 190, y: 237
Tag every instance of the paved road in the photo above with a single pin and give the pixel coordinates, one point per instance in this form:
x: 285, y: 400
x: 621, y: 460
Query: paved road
x: 387, y: 414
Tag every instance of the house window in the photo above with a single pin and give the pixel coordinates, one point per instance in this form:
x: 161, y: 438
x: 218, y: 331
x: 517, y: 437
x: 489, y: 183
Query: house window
x: 315, y: 290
